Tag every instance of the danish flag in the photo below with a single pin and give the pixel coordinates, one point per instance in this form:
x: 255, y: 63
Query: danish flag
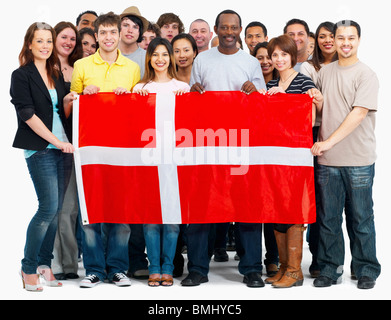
x: 210, y: 158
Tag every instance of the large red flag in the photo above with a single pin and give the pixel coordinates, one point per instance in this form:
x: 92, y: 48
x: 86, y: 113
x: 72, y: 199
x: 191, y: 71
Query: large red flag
x: 216, y: 157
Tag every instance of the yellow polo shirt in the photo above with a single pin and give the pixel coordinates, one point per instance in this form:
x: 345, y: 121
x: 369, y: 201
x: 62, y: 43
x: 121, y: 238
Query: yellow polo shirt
x: 93, y: 70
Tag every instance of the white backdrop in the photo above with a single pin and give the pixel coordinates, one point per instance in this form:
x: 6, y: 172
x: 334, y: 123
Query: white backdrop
x: 17, y: 196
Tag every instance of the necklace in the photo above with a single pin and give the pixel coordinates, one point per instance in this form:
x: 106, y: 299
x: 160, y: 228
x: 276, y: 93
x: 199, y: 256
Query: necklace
x: 283, y: 82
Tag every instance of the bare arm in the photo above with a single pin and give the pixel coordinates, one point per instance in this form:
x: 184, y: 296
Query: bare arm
x: 40, y: 129
x: 351, y: 122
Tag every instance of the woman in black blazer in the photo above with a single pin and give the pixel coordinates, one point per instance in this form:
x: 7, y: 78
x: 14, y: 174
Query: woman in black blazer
x: 39, y: 95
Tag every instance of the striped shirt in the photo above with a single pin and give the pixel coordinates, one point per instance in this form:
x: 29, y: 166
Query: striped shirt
x: 300, y: 84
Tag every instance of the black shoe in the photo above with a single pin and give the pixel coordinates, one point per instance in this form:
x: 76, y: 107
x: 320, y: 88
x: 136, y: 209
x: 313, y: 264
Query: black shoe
x: 366, y: 283
x: 323, y: 282
x: 254, y: 280
x: 60, y: 276
x: 72, y: 276
x: 194, y: 279
x: 220, y: 255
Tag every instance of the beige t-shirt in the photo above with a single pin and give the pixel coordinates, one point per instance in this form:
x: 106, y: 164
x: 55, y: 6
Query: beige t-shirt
x: 343, y: 89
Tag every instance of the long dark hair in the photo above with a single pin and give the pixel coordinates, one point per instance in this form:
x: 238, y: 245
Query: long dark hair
x: 187, y: 37
x: 26, y: 56
x: 255, y: 51
x: 149, y: 74
x: 318, y: 57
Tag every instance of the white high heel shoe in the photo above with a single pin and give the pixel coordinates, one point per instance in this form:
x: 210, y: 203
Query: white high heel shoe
x: 46, y: 273
x: 30, y: 287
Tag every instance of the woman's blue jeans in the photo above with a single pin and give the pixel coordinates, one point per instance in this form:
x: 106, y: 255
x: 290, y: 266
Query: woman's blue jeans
x: 338, y: 184
x: 50, y: 170
x: 161, y: 241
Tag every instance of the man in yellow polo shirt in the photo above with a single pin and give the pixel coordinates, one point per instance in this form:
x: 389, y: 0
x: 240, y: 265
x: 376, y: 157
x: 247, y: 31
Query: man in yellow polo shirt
x: 105, y: 71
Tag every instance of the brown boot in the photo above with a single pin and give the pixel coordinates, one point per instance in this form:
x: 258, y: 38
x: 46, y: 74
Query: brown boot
x: 281, y: 245
x: 293, y: 275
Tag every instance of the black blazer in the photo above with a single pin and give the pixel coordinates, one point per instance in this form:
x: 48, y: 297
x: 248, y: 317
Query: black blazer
x: 30, y: 96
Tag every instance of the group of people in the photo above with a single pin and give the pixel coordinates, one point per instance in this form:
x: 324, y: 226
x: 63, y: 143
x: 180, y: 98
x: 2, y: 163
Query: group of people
x: 126, y: 53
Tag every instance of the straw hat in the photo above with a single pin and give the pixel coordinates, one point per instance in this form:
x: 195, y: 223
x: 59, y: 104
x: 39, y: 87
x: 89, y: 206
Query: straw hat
x: 134, y: 11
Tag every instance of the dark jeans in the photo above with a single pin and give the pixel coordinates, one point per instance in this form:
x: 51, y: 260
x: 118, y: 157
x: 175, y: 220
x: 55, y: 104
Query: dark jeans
x: 250, y: 251
x: 336, y: 185
x: 137, y: 257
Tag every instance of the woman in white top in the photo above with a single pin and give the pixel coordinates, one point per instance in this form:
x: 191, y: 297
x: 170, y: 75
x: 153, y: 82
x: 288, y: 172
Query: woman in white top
x: 160, y: 239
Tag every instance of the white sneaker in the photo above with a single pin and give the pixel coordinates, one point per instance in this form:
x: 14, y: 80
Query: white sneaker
x: 121, y: 280
x: 90, y: 281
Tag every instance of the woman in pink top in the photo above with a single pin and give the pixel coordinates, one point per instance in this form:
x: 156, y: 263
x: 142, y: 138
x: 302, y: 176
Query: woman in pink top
x: 160, y: 71
x: 161, y: 239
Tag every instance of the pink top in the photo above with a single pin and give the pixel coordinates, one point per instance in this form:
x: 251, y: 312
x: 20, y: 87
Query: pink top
x: 163, y: 87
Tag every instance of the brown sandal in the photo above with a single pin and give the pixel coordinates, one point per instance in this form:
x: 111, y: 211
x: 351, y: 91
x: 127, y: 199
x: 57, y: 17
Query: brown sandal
x: 154, y: 282
x: 167, y: 281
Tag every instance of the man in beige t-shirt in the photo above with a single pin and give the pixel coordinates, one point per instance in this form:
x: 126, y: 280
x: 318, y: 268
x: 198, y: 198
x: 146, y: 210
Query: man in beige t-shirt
x: 346, y: 151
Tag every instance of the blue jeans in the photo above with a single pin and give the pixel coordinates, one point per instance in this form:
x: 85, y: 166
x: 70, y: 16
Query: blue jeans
x: 161, y: 241
x: 105, y: 249
x: 248, y: 245
x: 337, y: 184
x: 50, y: 170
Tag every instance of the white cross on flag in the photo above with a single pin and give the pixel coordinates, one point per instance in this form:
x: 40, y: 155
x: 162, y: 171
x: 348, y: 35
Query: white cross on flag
x: 210, y: 158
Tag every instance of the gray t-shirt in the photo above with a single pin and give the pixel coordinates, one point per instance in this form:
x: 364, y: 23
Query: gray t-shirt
x: 139, y: 57
x: 220, y: 72
x: 343, y: 89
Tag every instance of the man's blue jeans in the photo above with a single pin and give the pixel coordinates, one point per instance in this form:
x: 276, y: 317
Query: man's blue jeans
x: 105, y: 249
x: 161, y: 241
x: 50, y: 170
x: 338, y: 184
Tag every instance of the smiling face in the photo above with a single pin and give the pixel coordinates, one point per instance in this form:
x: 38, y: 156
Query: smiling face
x: 254, y: 35
x: 42, y: 45
x: 89, y: 45
x: 160, y: 60
x: 228, y: 31
x: 281, y: 60
x: 108, y: 38
x: 130, y: 31
x: 299, y: 34
x: 184, y: 53
x: 265, y: 61
x: 347, y: 42
x: 66, y: 42
x: 201, y: 34
x: 326, y: 41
